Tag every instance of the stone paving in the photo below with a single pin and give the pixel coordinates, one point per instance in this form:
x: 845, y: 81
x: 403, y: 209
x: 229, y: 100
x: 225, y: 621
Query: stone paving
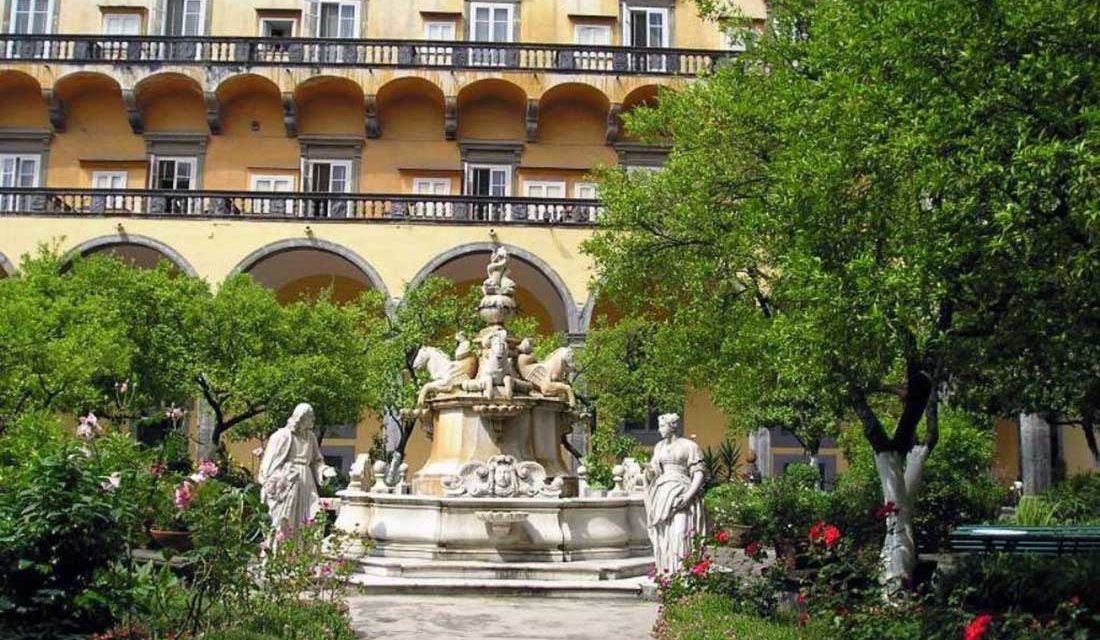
x: 433, y: 617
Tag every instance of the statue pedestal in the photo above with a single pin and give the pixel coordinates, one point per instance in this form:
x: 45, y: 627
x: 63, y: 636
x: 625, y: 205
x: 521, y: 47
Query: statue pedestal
x: 470, y: 428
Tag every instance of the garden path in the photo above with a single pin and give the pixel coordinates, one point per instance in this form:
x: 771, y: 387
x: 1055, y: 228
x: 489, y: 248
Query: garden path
x: 434, y: 617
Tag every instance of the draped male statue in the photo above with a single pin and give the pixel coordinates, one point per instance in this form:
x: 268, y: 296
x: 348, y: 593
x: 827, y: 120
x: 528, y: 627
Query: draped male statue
x: 290, y: 472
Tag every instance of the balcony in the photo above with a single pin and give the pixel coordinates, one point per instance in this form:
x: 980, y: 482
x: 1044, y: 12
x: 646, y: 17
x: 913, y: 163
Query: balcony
x: 394, y: 54
x: 299, y: 205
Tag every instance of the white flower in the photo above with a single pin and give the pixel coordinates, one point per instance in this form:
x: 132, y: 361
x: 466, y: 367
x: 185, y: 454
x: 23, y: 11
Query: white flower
x: 112, y: 482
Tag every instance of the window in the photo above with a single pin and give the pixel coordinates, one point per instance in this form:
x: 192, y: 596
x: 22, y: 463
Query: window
x: 276, y: 184
x: 185, y: 18
x: 646, y: 27
x: 592, y: 34
x: 585, y: 191
x: 17, y: 172
x: 328, y: 176
x: 32, y: 16
x: 337, y: 20
x: 491, y: 22
x: 432, y: 186
x: 437, y: 30
x: 115, y: 181
x: 489, y: 180
x: 544, y: 189
x: 121, y: 24
x: 278, y: 28
x: 175, y: 174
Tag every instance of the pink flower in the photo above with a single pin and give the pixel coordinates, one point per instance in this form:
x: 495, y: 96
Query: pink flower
x: 84, y: 431
x: 325, y: 503
x: 803, y: 618
x: 280, y: 535
x: 976, y: 629
x: 752, y: 549
x: 323, y: 571
x: 702, y: 567
x: 184, y: 495
x: 208, y: 469
x: 722, y: 537
x: 112, y: 482
x: 175, y: 413
x: 157, y: 469
x: 124, y: 387
x: 91, y: 419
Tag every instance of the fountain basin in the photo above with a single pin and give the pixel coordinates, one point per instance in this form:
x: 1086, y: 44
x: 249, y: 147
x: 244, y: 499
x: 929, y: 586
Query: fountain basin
x: 553, y: 530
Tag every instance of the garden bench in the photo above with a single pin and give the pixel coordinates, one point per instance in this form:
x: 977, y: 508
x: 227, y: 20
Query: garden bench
x: 1034, y: 540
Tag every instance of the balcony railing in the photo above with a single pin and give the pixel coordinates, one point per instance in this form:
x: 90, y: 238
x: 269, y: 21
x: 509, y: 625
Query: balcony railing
x: 317, y: 52
x: 298, y: 205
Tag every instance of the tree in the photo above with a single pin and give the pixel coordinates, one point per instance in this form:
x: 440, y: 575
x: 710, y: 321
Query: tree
x: 430, y: 314
x: 256, y: 359
x: 865, y: 191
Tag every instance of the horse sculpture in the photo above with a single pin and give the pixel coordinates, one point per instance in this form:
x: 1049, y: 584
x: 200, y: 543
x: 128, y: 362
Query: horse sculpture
x: 495, y: 369
x: 446, y: 374
x: 549, y: 375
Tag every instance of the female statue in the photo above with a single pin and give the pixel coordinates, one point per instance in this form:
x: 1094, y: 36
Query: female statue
x: 674, y: 501
x: 290, y: 472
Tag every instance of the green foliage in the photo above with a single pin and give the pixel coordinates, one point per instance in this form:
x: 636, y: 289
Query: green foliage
x: 62, y: 522
x: 958, y: 488
x: 708, y: 616
x: 1076, y: 500
x: 996, y: 583
x: 1033, y: 511
x: 722, y: 463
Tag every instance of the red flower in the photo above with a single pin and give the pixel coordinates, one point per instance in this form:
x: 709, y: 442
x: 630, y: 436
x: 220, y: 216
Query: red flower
x: 803, y: 618
x: 722, y: 537
x: 800, y: 599
x: 822, y: 532
x: 1075, y: 600
x: 885, y: 510
x: 752, y: 549
x: 976, y: 629
x: 702, y: 567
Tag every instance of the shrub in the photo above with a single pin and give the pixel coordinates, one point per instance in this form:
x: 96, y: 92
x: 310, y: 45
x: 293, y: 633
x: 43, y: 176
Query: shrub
x: 993, y: 583
x: 1076, y: 500
x: 63, y: 519
x: 958, y: 487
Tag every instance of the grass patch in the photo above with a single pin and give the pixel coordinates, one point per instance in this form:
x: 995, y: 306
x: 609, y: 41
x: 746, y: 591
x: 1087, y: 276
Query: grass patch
x: 713, y: 617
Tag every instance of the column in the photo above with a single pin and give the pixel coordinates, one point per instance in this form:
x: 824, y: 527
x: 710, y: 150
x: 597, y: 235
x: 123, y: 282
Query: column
x: 1035, y: 453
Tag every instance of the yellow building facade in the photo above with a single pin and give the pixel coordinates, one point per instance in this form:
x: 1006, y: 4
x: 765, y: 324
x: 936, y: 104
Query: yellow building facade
x: 347, y: 143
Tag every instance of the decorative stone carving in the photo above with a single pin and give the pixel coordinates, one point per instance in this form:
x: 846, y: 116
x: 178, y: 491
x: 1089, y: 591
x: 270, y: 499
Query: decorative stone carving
x: 501, y: 523
x: 494, y: 369
x: 614, y: 122
x: 502, y: 477
x: 133, y: 112
x: 549, y: 376
x: 634, y: 478
x: 374, y: 124
x: 56, y: 107
x: 450, y: 117
x: 446, y: 374
x: 213, y: 112
x: 291, y: 470
x: 497, y: 304
x: 359, y: 472
x: 531, y: 121
x: 379, y: 485
x: 290, y: 115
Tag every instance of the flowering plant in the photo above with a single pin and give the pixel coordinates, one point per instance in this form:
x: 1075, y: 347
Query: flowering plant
x: 177, y: 496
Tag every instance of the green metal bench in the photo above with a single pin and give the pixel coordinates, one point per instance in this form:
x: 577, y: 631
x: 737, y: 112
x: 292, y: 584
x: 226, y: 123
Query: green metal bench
x: 995, y: 538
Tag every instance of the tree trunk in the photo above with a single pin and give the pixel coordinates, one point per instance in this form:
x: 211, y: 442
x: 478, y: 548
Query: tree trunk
x: 901, y: 479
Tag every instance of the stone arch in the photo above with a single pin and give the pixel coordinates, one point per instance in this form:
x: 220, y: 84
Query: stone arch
x: 172, y: 102
x: 491, y: 109
x: 411, y: 108
x: 256, y: 94
x: 340, y: 259
x: 565, y: 318
x: 330, y: 105
x: 7, y: 269
x: 573, y: 113
x: 644, y: 95
x: 22, y: 105
x: 144, y: 250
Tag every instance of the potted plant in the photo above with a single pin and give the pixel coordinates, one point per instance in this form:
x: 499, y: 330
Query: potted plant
x: 175, y: 500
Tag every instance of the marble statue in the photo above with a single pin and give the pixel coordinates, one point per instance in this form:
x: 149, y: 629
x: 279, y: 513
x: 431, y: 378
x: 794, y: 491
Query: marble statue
x: 549, y: 376
x: 290, y: 472
x: 674, y: 500
x: 495, y: 367
x: 446, y: 374
x: 498, y: 282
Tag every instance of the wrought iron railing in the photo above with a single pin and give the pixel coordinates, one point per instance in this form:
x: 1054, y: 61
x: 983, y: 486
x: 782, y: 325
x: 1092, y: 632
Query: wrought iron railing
x: 297, y: 205
x: 317, y: 52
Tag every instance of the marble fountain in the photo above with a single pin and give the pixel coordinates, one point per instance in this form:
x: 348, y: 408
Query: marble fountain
x: 495, y: 504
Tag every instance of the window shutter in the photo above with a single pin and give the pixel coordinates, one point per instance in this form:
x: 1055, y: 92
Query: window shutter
x: 312, y: 25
